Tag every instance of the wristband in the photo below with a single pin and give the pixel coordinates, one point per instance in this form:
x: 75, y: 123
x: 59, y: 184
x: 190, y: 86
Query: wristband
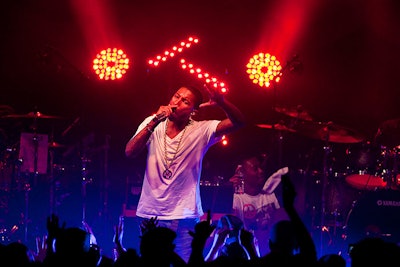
x: 148, y: 128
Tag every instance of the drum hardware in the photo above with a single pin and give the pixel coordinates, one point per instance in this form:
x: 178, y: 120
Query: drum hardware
x: 31, y: 115
x: 388, y: 133
x: 366, y: 167
x: 52, y: 179
x: 85, y: 180
x: 388, y: 136
x: 30, y: 145
x: 7, y: 169
x: 297, y: 112
x: 389, y: 167
x: 329, y: 132
x: 34, y: 138
x: 34, y: 153
x: 280, y: 126
x: 33, y: 146
x: 364, y: 180
x: 324, y: 184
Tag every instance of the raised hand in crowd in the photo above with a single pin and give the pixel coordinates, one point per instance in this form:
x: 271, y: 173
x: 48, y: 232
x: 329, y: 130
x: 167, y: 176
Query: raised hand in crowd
x: 148, y: 224
x: 306, y: 246
x: 53, y: 231
x: 201, y: 233
x: 249, y: 242
x: 119, y: 248
x: 220, y: 236
x: 41, y: 248
x: 87, y: 228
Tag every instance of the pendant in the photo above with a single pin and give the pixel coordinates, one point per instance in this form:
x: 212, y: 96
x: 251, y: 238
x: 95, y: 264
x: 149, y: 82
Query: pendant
x: 167, y: 174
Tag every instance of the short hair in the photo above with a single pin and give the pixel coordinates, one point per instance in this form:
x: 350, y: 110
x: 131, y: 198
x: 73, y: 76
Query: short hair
x: 197, y: 95
x: 230, y: 221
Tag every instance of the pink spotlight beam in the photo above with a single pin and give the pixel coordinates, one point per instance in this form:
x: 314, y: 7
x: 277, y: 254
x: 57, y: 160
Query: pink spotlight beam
x: 170, y: 53
x: 205, y: 76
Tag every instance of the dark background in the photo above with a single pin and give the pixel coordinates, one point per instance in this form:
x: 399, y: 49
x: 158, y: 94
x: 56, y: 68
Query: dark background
x: 346, y: 73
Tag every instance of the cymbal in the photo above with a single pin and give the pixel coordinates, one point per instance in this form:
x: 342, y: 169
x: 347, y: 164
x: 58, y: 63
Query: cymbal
x: 31, y: 115
x: 329, y: 132
x: 388, y: 133
x: 297, y: 112
x: 277, y: 126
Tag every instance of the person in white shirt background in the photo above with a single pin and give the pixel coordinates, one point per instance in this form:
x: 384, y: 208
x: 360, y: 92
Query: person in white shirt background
x: 254, y: 199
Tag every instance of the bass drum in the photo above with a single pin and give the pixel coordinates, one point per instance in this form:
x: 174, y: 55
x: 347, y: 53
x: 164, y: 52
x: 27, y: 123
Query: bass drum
x: 375, y: 214
x: 364, y: 167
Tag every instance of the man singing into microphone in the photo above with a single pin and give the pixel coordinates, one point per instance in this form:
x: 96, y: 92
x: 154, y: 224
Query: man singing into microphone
x: 176, y: 145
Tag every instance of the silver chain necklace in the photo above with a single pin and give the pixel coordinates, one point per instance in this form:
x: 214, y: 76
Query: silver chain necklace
x: 167, y: 174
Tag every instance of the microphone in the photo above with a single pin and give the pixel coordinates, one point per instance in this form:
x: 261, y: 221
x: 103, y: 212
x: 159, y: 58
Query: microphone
x: 162, y: 116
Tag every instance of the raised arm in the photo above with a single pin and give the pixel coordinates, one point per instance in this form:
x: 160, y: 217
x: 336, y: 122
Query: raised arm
x: 138, y: 142
x: 235, y: 118
x: 305, y: 241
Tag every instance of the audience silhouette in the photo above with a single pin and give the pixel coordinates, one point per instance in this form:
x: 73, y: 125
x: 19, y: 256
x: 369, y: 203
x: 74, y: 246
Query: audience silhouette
x: 290, y: 244
x: 374, y: 251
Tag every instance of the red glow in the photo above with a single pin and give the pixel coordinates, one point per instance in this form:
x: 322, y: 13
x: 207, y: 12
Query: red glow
x: 170, y: 53
x: 285, y: 26
x: 205, y: 76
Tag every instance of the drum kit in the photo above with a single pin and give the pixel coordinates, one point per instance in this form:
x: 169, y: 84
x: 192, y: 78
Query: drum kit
x: 28, y: 170
x: 370, y: 175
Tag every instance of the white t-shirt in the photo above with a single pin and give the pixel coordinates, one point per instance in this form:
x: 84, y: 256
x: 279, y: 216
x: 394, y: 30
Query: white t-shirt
x: 255, y: 211
x: 177, y: 197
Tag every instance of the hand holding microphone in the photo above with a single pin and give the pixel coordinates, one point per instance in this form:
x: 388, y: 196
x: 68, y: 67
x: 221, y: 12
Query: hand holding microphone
x: 163, y: 113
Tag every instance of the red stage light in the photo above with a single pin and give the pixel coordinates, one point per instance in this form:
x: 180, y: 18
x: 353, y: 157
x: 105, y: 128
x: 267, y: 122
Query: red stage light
x: 213, y: 81
x: 224, y: 140
x: 264, y: 69
x: 111, y: 64
x: 173, y: 51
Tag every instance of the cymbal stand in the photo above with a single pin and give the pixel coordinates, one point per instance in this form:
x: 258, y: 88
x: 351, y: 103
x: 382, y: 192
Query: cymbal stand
x: 395, y: 167
x: 51, y: 177
x: 36, y: 150
x: 85, y: 181
x: 280, y: 145
x: 27, y: 185
x: 106, y: 178
x: 27, y: 188
x: 391, y: 167
x: 324, y: 184
x: 292, y: 65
